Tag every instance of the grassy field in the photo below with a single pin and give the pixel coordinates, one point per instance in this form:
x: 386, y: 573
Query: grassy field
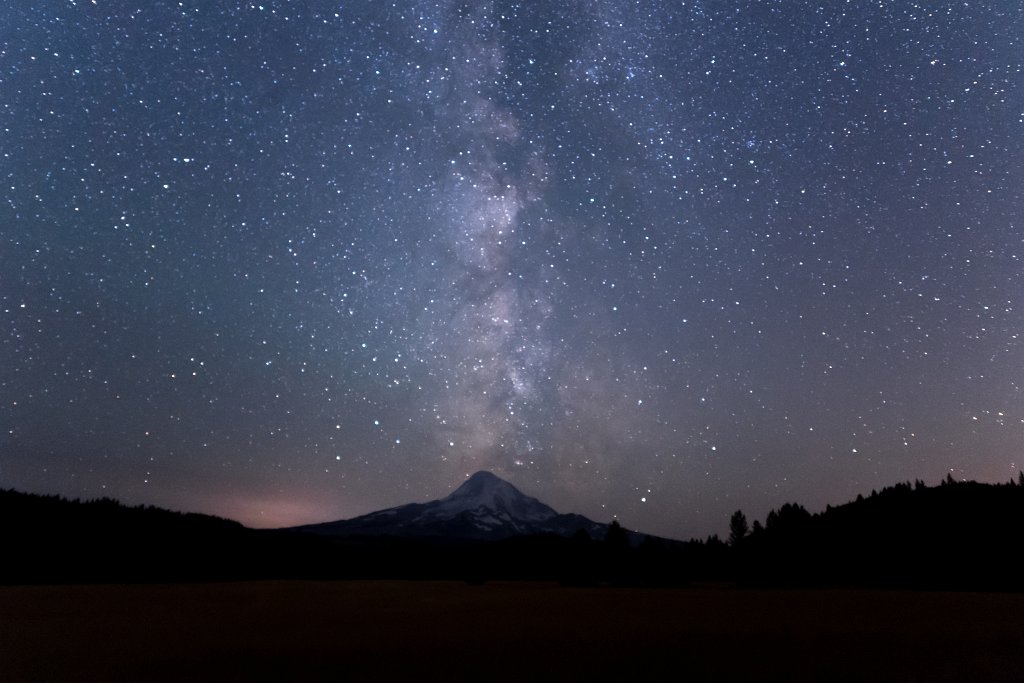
x: 431, y: 631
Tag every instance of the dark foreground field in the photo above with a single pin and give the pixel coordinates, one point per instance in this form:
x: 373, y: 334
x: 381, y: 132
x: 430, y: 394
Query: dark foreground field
x: 430, y: 631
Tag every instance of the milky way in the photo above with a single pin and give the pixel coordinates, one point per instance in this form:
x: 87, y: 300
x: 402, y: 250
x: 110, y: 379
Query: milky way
x: 290, y: 262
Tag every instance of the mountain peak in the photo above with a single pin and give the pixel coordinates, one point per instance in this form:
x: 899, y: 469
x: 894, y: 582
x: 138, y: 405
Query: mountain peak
x: 484, y: 476
x: 482, y: 481
x: 485, y: 490
x: 484, y: 506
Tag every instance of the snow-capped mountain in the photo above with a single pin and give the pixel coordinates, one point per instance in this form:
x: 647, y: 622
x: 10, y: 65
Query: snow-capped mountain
x: 483, y: 507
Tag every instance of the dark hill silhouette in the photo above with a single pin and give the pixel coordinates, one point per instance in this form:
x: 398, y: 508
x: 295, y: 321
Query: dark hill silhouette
x: 52, y: 539
x: 956, y: 535
x: 959, y: 535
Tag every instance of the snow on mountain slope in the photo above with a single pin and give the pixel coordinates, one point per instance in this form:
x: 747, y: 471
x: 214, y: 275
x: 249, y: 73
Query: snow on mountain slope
x: 483, y: 507
x: 488, y: 492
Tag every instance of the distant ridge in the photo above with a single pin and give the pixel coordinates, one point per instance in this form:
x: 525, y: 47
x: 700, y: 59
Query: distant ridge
x: 484, y: 507
x: 955, y: 536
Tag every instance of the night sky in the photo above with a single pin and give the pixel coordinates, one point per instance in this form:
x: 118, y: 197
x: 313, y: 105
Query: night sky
x: 293, y: 262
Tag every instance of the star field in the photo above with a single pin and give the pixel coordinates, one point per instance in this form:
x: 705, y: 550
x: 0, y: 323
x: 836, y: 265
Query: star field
x: 291, y: 262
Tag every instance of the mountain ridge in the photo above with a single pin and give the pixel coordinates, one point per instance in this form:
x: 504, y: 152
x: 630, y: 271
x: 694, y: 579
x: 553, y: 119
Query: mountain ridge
x: 483, y: 507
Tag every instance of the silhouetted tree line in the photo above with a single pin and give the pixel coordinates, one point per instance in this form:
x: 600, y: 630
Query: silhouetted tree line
x: 49, y: 539
x: 958, y: 535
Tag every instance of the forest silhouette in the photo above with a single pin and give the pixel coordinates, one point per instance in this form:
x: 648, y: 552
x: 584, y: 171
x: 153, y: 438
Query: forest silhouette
x: 955, y: 536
